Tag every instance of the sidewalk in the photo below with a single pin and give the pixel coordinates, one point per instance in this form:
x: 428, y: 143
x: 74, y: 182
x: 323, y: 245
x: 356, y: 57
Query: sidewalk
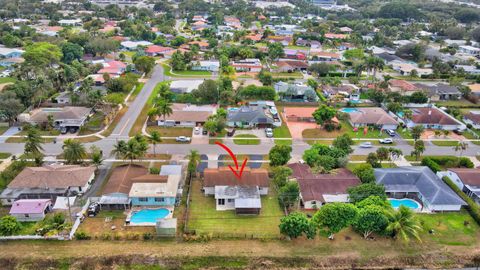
x: 401, y: 161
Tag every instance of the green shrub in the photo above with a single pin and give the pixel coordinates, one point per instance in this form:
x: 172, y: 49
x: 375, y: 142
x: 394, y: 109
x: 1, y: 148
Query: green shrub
x: 472, y: 207
x: 147, y: 236
x: 465, y: 162
x: 434, y: 166
x: 80, y: 235
x: 154, y: 170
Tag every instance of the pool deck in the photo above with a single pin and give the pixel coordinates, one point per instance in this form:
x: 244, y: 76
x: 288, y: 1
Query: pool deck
x: 139, y: 208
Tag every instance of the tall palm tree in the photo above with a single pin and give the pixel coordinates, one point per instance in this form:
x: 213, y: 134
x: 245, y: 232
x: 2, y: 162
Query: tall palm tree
x: 119, y: 149
x: 164, y: 108
x: 403, y: 224
x: 193, y: 161
x: 134, y: 150
x: 461, y: 146
x: 154, y: 139
x: 33, y: 142
x: 97, y: 156
x: 73, y: 151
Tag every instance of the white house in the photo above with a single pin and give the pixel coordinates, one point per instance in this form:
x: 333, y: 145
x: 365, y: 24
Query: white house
x: 468, y: 180
x: 470, y: 50
x: 209, y: 65
x: 30, y: 209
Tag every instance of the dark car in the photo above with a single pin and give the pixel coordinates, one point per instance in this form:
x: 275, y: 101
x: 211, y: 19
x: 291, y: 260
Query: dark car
x: 231, y: 132
x: 93, y: 209
x: 204, y: 132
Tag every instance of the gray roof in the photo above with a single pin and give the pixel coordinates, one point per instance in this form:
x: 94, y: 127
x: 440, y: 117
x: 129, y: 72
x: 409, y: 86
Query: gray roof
x: 440, y: 89
x: 250, y: 114
x: 418, y: 179
x: 171, y: 170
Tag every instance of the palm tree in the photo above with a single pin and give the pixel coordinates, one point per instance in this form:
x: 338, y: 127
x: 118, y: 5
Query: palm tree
x: 164, y: 108
x: 403, y: 224
x: 154, y: 139
x: 193, y: 160
x: 119, y: 149
x: 96, y: 155
x: 73, y: 151
x: 134, y: 150
x: 33, y: 142
x: 461, y: 146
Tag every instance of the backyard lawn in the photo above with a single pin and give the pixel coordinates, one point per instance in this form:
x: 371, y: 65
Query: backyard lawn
x: 204, y: 219
x: 246, y: 139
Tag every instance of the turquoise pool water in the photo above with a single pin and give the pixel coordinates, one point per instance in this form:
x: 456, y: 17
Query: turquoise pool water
x: 149, y: 215
x: 396, y: 203
x: 349, y: 110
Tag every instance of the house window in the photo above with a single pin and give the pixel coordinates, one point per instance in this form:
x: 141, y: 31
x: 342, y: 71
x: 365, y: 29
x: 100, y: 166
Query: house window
x: 159, y: 199
x: 27, y: 215
x: 230, y: 200
x: 143, y: 199
x: 221, y: 201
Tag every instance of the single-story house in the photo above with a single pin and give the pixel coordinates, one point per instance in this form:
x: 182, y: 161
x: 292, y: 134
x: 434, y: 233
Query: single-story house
x: 406, y: 69
x: 402, y: 86
x: 284, y: 40
x: 134, y: 45
x: 68, y: 116
x: 230, y: 193
x: 469, y: 69
x: 187, y: 115
x: 30, y: 209
x: 470, y: 50
x: 256, y: 114
x: 472, y: 118
x: 347, y: 90
x: 468, y: 180
x: 297, y: 92
x: 48, y: 182
x: 421, y: 184
x: 440, y: 91
x: 314, y: 44
x: 163, y: 192
x: 326, y: 56
x: 184, y: 86
x: 433, y: 118
x: 475, y: 88
x: 335, y: 36
x: 155, y: 50
x: 248, y: 65
x: 295, y: 54
x: 10, y: 56
x: 208, y: 65
x: 319, y: 189
x: 376, y: 117
x: 112, y: 68
x: 290, y: 65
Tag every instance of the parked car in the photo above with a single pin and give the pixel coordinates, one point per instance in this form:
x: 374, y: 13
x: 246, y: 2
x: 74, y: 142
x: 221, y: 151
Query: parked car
x: 93, y: 209
x: 196, y: 130
x: 269, y: 132
x: 386, y: 141
x: 390, y: 132
x: 204, y: 132
x: 366, y: 145
x: 63, y: 130
x: 183, y: 139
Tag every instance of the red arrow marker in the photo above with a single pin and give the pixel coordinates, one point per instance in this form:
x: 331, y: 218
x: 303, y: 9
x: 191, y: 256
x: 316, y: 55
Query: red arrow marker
x: 236, y: 172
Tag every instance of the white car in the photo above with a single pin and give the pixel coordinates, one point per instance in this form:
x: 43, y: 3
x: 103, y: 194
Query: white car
x: 183, y: 139
x: 366, y: 145
x: 269, y: 132
x: 196, y: 130
x: 386, y: 141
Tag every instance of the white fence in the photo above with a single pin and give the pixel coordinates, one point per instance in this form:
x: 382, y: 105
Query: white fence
x: 81, y: 215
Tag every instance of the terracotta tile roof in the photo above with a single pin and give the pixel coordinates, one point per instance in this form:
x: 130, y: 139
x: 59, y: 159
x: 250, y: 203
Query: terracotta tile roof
x: 431, y: 116
x: 53, y: 176
x: 224, y: 177
x: 314, y: 186
x: 404, y: 85
x: 291, y: 63
x: 335, y: 36
x: 373, y: 116
x: 157, y: 49
x: 124, y: 176
x: 469, y: 177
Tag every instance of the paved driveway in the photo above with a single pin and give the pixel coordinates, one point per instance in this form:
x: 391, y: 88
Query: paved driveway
x: 296, y: 128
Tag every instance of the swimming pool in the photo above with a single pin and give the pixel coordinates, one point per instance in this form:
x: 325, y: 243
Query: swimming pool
x: 349, y: 110
x: 148, y: 215
x: 412, y: 204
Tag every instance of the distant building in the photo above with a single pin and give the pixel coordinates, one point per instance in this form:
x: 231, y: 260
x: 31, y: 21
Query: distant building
x: 324, y: 2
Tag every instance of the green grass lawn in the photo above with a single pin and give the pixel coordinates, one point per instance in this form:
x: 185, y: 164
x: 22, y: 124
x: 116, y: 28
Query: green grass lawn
x: 137, y: 90
x: 445, y: 143
x: 352, y: 166
x: 295, y: 74
x: 205, y: 219
x: 3, y: 129
x: 52, y: 132
x: 7, y: 80
x: 171, y: 132
x: 455, y: 229
x: 4, y: 155
x: 463, y: 103
x: 253, y: 140
x: 282, y: 132
x: 345, y: 129
x: 218, y: 137
x: 167, y: 70
x: 94, y: 124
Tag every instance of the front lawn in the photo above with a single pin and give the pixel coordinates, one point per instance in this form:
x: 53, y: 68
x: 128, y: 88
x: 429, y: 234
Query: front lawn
x: 346, y: 128
x: 282, y: 132
x: 7, y: 80
x: 94, y: 124
x: 52, y: 132
x: 246, y: 139
x: 205, y: 219
x: 296, y: 74
x: 171, y: 132
x: 445, y: 143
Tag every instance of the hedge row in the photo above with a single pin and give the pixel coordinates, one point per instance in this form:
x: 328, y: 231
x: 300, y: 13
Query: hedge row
x: 434, y: 166
x: 436, y: 163
x: 472, y: 207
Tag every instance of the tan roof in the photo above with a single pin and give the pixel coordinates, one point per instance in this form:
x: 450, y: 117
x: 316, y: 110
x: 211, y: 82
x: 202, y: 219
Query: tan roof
x: 124, y: 176
x: 53, y: 176
x: 372, y: 116
x: 292, y: 63
x: 402, y: 84
x: 184, y: 112
x: 474, y: 87
x: 469, y: 177
x: 431, y: 116
x: 224, y: 177
x: 68, y: 112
